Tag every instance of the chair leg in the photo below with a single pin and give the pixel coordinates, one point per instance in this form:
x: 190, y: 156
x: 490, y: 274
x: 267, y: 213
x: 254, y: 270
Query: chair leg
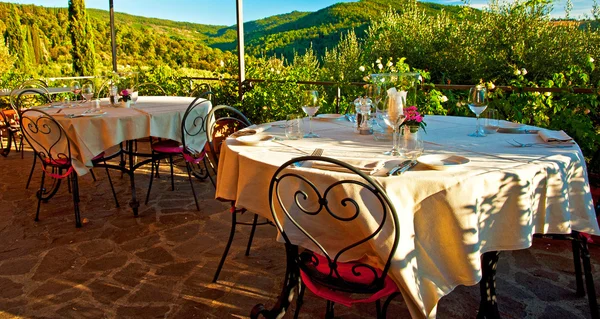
x: 387, y: 303
x: 31, y: 172
x: 251, y: 234
x: 231, y: 234
x: 187, y: 165
x: 150, y: 183
x: 378, y: 307
x: 589, y: 280
x: 206, y: 164
x: 39, y: 196
x: 172, y: 179
x: 300, y: 299
x: 93, y: 175
x: 112, y: 187
x: 76, y: 200
x: 577, y: 263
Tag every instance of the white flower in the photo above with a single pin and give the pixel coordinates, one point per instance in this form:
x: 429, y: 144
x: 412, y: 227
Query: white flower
x: 361, y: 68
x: 591, y: 60
x: 524, y: 71
x: 444, y: 99
x: 378, y: 61
x: 390, y: 63
x: 278, y: 72
x: 517, y: 72
x: 380, y: 66
x: 272, y: 70
x: 222, y: 63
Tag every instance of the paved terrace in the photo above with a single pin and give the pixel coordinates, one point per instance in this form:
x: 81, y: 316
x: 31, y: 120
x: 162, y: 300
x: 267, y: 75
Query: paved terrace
x: 160, y: 264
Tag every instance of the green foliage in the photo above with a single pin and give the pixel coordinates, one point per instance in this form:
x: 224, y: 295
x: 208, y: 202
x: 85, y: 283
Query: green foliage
x: 6, y: 60
x: 82, y: 39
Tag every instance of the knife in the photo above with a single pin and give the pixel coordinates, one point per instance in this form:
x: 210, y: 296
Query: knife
x: 410, y: 165
x: 398, y: 167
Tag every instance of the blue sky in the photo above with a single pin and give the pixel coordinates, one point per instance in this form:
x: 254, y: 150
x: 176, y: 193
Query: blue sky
x: 222, y: 12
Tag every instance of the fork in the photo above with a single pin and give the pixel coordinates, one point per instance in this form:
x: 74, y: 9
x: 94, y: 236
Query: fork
x: 316, y: 152
x: 519, y: 144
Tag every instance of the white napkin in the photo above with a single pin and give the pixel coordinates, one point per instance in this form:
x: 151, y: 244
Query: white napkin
x: 550, y: 136
x: 251, y: 130
x: 396, y: 102
x: 371, y: 166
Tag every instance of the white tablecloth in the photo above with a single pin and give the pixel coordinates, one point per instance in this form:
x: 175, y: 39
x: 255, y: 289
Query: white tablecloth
x: 497, y: 201
x: 158, y: 116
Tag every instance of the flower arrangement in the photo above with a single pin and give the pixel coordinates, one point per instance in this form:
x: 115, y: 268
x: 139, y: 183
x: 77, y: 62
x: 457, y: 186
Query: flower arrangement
x: 413, y: 119
x: 125, y: 96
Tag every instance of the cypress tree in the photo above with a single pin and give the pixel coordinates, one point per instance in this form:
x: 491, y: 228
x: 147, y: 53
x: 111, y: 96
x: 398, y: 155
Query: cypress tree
x: 14, y: 38
x: 82, y: 39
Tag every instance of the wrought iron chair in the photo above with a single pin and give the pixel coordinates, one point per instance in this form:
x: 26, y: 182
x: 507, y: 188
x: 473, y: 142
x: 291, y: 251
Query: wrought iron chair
x: 13, y: 133
x: 221, y: 122
x: 302, y: 206
x: 53, y: 147
x: 18, y: 103
x: 192, y: 126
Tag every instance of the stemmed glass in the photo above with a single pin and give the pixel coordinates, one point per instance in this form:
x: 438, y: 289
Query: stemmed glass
x: 87, y: 91
x: 75, y: 88
x: 310, y: 106
x: 477, y: 102
x: 393, y: 116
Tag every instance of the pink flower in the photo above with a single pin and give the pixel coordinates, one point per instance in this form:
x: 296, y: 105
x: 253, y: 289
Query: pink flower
x: 124, y: 93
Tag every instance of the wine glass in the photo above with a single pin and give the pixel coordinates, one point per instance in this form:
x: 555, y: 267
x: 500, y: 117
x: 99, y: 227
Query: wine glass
x: 393, y: 115
x: 87, y: 90
x: 310, y: 106
x: 477, y: 102
x: 75, y: 88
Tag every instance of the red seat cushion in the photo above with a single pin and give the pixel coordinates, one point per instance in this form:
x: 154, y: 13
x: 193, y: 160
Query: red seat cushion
x: 167, y: 146
x: 346, y: 273
x: 97, y: 157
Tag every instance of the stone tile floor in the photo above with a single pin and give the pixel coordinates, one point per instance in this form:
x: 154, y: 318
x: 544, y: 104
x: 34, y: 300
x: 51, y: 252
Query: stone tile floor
x: 160, y: 264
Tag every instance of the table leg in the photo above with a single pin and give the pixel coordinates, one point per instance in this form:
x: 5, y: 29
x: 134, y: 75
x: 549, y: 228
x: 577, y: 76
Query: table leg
x: 292, y: 277
x: 488, y: 307
x: 134, y: 202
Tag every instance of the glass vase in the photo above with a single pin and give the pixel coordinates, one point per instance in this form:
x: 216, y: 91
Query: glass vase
x: 410, y: 142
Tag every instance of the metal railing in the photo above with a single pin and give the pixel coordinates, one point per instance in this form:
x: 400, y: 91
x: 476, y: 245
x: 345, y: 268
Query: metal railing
x: 338, y: 85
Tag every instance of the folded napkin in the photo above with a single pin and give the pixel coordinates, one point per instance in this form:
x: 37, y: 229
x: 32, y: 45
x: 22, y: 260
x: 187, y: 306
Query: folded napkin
x: 251, y: 130
x: 550, y: 136
x: 371, y: 166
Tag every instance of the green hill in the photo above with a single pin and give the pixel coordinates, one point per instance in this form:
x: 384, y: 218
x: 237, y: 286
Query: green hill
x: 146, y: 41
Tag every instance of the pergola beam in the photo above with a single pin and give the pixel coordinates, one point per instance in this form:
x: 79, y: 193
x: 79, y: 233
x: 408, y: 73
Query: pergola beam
x: 241, y: 58
x: 113, y: 40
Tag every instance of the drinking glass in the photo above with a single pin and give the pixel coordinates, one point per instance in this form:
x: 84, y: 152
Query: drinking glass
x: 392, y: 112
x: 491, y: 121
x: 477, y: 102
x: 75, y: 88
x: 87, y: 91
x: 310, y: 106
x: 293, y: 127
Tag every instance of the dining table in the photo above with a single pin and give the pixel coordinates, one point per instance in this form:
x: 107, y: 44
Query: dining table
x: 495, y: 199
x: 93, y: 131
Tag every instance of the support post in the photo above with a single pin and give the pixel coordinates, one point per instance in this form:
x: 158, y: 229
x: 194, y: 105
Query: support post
x: 113, y: 39
x: 240, y: 36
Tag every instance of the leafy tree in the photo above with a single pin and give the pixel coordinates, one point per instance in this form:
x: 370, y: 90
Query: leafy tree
x: 82, y: 39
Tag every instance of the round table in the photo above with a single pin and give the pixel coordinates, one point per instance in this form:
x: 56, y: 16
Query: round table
x: 448, y: 219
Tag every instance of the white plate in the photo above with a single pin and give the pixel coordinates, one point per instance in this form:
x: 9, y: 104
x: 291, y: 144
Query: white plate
x: 329, y: 117
x: 443, y: 161
x: 254, y: 139
x: 510, y: 127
